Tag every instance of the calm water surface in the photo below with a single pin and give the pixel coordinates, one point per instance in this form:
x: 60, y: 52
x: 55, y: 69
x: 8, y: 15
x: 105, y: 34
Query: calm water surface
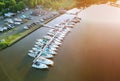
x: 91, y: 52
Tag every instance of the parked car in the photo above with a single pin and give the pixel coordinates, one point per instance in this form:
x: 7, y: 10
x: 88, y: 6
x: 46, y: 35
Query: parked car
x: 1, y: 29
x: 26, y: 28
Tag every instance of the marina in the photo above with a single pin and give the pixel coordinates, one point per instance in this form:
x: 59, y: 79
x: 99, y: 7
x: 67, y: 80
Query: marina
x: 90, y: 52
x: 48, y: 45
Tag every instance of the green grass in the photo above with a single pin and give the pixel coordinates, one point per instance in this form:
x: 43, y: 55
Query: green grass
x: 67, y: 4
x: 11, y: 39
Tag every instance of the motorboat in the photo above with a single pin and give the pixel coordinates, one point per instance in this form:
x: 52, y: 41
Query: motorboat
x: 52, y: 52
x: 65, y: 31
x: 37, y: 46
x: 39, y: 65
x: 52, y: 30
x: 39, y: 43
x: 57, y: 25
x: 60, y: 38
x: 31, y: 51
x: 46, y: 55
x: 47, y: 26
x: 36, y: 49
x: 47, y: 37
x: 54, y: 45
x: 32, y: 54
x: 45, y: 61
x: 40, y: 40
x: 57, y: 43
x: 70, y: 26
x: 43, y: 41
x: 52, y: 48
x: 68, y: 29
x: 57, y: 40
x: 51, y: 34
x: 63, y: 35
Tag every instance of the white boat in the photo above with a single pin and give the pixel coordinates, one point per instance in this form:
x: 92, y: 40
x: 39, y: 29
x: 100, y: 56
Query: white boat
x: 46, y: 55
x: 40, y: 44
x: 52, y: 48
x: 47, y: 25
x: 40, y: 40
x: 68, y: 29
x: 32, y: 54
x: 71, y: 26
x: 65, y: 32
x: 36, y: 49
x: 54, y: 45
x: 57, y: 25
x: 62, y: 35
x: 39, y: 65
x: 47, y: 37
x: 58, y: 40
x: 57, y: 43
x: 45, y: 61
x: 37, y: 46
x: 51, y: 33
x: 31, y: 51
x: 52, y: 30
x: 52, y: 52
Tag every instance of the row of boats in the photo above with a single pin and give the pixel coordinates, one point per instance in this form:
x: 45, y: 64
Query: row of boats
x: 46, y: 48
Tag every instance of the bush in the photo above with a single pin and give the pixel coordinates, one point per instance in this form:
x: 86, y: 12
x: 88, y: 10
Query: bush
x: 3, y: 45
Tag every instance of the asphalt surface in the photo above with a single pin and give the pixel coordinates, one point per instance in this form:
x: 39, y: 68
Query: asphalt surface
x: 20, y: 28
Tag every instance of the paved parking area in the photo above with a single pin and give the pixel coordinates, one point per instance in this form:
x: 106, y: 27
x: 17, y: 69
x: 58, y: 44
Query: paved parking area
x: 20, y: 28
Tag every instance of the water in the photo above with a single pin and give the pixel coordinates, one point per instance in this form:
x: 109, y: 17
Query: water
x: 89, y: 53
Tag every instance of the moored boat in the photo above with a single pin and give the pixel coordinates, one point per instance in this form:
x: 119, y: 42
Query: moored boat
x: 39, y: 65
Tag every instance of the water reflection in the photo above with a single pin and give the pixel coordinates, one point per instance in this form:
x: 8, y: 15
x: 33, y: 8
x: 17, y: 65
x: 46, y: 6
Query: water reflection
x: 36, y: 75
x: 89, y: 53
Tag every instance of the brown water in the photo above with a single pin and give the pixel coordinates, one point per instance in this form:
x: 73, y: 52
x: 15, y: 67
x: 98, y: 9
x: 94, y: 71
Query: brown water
x: 91, y: 52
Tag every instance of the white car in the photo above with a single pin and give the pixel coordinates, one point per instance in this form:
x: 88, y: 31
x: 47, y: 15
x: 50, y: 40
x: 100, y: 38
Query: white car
x: 5, y: 28
x: 25, y: 27
x: 1, y: 29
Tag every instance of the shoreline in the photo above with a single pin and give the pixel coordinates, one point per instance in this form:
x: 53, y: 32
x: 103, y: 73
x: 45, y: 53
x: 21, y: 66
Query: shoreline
x: 27, y: 32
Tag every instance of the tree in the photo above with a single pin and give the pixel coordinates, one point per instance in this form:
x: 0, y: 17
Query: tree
x: 2, y: 5
x: 12, y: 3
x: 86, y: 3
x: 21, y: 4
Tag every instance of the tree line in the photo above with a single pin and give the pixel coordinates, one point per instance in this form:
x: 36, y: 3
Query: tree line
x: 11, y: 5
x: 86, y: 3
x: 17, y: 5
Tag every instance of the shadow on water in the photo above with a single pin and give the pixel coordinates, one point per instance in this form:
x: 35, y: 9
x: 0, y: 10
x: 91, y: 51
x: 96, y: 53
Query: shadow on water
x: 27, y: 61
x: 36, y: 75
x: 31, y: 74
x: 3, y: 74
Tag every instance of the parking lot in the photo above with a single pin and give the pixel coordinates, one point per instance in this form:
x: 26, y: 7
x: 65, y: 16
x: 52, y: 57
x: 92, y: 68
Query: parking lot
x: 23, y: 21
